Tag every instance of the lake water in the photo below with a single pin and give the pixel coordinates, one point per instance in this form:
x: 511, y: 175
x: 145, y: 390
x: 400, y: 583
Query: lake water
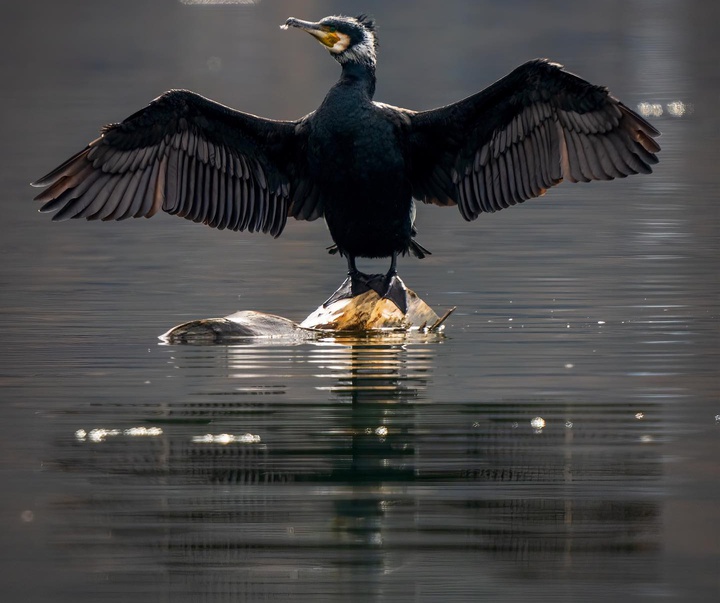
x: 559, y: 443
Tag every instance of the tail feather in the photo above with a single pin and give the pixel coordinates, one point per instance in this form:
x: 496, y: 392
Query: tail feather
x: 415, y: 248
x: 418, y: 250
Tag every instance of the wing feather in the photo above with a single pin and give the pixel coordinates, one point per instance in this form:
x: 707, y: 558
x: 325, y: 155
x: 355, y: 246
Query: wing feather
x: 113, y: 213
x: 516, y: 171
x: 520, y: 166
x: 579, y: 171
x: 259, y: 208
x: 83, y: 205
x: 97, y: 202
x: 188, y: 156
x: 213, y: 197
x: 247, y: 196
x: 543, y: 147
x: 141, y: 194
x: 505, y: 190
x: 68, y: 195
x: 126, y: 203
x: 476, y: 197
x: 202, y: 201
x: 616, y: 157
x: 226, y: 200
x: 496, y: 187
x: 237, y: 206
x: 172, y: 193
x: 79, y: 204
x: 147, y: 203
x: 532, y: 129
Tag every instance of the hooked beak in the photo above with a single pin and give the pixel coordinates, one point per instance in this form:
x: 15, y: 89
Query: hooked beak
x: 321, y: 32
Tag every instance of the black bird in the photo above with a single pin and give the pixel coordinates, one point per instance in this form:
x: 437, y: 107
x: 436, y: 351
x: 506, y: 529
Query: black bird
x: 356, y: 162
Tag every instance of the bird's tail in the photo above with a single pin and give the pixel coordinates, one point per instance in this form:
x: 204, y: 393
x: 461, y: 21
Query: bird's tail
x: 415, y: 248
x: 418, y: 250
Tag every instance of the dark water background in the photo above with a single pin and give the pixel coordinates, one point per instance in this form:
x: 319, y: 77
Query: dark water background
x: 370, y: 469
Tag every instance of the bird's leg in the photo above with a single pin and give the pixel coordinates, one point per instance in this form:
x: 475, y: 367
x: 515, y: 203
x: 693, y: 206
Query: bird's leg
x: 388, y: 286
x: 393, y: 266
x: 359, y: 281
x: 352, y: 268
x: 355, y: 284
x: 393, y: 288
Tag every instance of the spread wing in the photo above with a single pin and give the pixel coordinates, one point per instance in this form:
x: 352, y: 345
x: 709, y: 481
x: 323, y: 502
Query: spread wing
x: 530, y: 130
x: 188, y: 156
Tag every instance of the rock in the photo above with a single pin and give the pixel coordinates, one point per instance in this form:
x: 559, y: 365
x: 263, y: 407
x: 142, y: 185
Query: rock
x: 369, y: 312
x: 366, y: 312
x: 241, y: 325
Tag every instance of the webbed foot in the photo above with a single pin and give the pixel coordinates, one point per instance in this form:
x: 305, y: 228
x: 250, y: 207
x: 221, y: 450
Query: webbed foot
x: 394, y: 289
x: 388, y: 286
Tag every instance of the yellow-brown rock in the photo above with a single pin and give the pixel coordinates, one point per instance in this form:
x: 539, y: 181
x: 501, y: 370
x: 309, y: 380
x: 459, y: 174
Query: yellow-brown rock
x: 369, y: 312
x: 366, y: 312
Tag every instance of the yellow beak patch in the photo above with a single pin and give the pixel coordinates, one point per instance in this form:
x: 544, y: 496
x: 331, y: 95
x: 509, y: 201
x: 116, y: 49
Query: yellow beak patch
x: 335, y: 41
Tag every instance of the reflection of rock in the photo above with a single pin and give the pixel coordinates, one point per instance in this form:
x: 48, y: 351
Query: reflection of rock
x: 364, y: 312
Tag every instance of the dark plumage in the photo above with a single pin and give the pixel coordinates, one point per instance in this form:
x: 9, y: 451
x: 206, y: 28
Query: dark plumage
x: 353, y: 161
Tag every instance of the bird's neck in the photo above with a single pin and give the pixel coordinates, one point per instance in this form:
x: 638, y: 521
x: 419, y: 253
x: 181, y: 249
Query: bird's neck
x: 360, y: 76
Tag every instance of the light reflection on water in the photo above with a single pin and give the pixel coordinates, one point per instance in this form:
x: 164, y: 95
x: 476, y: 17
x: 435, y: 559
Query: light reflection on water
x: 357, y: 472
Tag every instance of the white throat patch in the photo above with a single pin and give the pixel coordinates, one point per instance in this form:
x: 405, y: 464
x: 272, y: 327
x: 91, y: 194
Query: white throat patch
x: 363, y: 52
x: 341, y: 45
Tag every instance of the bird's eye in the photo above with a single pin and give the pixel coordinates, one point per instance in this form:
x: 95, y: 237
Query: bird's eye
x: 331, y: 29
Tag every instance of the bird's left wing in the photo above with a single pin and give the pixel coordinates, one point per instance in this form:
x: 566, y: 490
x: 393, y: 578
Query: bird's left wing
x: 530, y: 130
x: 188, y: 156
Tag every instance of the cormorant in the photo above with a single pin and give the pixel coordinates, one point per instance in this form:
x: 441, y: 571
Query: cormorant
x: 356, y: 162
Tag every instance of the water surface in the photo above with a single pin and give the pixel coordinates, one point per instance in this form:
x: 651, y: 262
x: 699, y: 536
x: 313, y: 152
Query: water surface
x: 559, y: 443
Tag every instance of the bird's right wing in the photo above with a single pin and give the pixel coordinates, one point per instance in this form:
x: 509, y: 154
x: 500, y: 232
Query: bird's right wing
x: 530, y: 130
x: 188, y: 156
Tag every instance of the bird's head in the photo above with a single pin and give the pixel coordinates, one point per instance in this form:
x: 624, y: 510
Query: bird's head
x: 349, y: 39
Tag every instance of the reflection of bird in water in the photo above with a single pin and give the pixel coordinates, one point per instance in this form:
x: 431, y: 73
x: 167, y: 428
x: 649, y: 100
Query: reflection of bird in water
x: 353, y: 161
